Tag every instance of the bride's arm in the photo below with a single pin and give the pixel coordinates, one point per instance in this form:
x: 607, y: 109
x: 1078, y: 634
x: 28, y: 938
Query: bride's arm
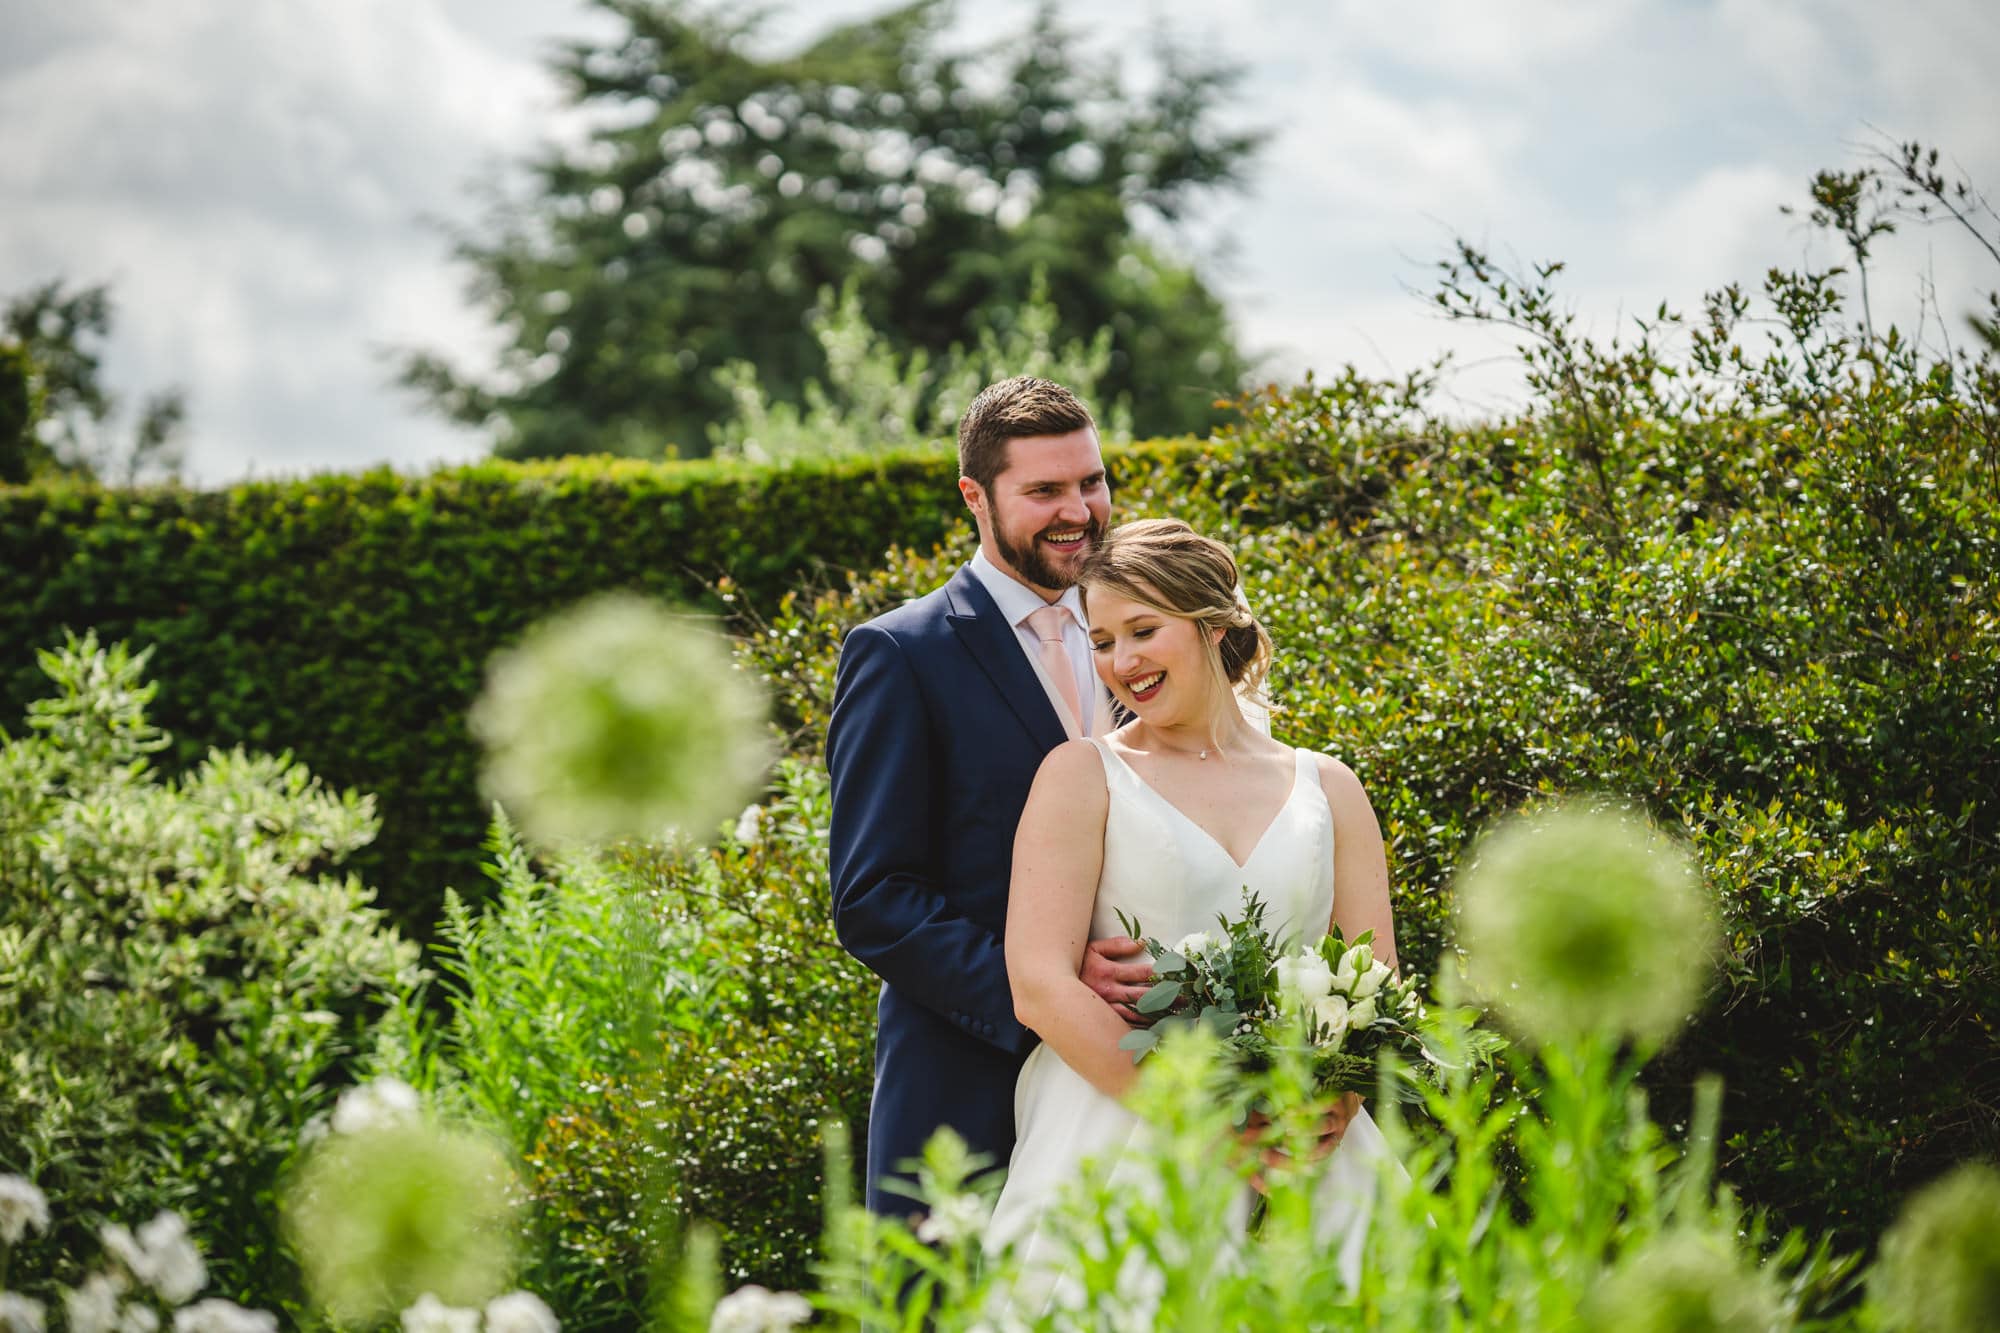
x: 1058, y: 852
x: 1360, y: 864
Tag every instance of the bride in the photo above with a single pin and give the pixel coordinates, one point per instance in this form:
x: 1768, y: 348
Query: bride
x: 1168, y: 819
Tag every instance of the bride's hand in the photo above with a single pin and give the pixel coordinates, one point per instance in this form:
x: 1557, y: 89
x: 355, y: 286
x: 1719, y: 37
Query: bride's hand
x: 1119, y: 970
x: 1333, y: 1122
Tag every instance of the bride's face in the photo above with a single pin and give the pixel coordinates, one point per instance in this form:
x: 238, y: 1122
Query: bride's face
x: 1153, y: 663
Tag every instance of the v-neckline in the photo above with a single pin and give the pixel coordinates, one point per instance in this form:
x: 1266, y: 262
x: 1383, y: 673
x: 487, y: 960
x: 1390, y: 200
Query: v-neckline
x: 1291, y: 793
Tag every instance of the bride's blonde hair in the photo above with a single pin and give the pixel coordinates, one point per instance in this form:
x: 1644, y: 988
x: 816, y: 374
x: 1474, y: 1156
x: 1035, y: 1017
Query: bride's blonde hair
x: 1164, y: 564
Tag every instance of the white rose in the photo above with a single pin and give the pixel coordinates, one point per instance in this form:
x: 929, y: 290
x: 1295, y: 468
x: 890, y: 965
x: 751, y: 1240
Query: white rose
x: 431, y: 1315
x: 1331, y: 1011
x: 1195, y: 945
x: 520, y: 1312
x: 378, y: 1105
x: 22, y: 1206
x: 753, y: 1309
x: 1305, y: 975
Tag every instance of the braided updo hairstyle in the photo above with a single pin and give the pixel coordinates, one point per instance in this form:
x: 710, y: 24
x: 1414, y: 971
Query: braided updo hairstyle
x: 1166, y: 565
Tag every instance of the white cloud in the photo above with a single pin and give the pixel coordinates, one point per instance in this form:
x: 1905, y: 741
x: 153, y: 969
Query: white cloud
x: 252, y: 177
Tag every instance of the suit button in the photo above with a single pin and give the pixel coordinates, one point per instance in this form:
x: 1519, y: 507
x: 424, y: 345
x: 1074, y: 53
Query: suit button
x: 987, y: 1028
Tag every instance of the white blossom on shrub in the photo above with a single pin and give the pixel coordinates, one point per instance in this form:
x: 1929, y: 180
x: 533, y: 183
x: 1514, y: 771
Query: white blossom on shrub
x: 431, y: 1315
x: 755, y: 1309
x: 215, y: 1315
x: 520, y: 1312
x: 22, y: 1206
x: 19, y: 1314
x: 955, y: 1218
x: 94, y: 1306
x: 386, y: 1101
x: 162, y: 1256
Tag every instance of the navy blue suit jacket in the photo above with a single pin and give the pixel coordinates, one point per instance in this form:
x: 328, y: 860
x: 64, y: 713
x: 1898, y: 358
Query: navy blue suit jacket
x: 939, y: 724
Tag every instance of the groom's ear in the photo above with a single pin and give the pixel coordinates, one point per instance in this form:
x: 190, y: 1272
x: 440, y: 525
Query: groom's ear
x: 975, y: 499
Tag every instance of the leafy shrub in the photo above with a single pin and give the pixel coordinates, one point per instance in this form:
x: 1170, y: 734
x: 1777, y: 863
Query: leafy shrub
x: 661, y: 1031
x: 1755, y: 594
x: 348, y: 619
x: 182, y: 978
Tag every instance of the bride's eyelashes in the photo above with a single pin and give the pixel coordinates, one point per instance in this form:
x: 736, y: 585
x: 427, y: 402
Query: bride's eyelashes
x: 1104, y: 645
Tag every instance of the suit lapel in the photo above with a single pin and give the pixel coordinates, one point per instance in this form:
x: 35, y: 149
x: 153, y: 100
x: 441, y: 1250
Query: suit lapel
x: 993, y: 645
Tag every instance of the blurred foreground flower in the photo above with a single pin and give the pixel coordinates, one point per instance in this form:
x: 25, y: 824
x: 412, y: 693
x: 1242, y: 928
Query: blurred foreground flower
x: 618, y: 718
x: 220, y: 1316
x: 1939, y: 1266
x: 1687, y: 1282
x: 753, y: 1309
x: 385, y: 1216
x: 431, y: 1315
x: 520, y: 1312
x: 1586, y: 920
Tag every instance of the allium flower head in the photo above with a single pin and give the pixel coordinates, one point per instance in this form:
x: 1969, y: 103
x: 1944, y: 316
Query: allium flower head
x: 618, y: 718
x: 1688, y: 1282
x: 22, y: 1206
x: 754, y: 1309
x: 1584, y: 920
x: 382, y: 1218
x: 1939, y: 1266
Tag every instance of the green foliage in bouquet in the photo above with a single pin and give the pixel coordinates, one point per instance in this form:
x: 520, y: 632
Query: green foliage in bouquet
x: 1331, y: 1003
x: 184, y: 980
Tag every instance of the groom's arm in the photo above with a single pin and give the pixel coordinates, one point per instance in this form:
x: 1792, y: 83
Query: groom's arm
x: 889, y: 908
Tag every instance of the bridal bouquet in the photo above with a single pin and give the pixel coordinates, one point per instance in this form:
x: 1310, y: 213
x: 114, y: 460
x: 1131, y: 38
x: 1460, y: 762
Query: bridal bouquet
x: 1260, y: 995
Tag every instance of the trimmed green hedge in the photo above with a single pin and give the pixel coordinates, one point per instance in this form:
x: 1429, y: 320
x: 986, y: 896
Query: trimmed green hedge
x: 347, y: 618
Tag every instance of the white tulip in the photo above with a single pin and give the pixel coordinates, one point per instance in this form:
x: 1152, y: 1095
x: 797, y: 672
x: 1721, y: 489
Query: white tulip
x: 1362, y: 1014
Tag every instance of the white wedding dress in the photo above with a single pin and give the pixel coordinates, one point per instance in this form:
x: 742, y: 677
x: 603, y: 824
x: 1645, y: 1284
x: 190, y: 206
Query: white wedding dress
x: 1165, y: 870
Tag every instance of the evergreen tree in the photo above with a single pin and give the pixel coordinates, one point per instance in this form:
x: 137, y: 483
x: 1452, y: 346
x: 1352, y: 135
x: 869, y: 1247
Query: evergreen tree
x: 727, y: 189
x: 55, y: 413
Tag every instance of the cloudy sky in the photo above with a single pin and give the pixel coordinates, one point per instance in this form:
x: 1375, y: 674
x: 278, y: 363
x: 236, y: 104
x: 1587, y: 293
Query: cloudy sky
x: 262, y: 183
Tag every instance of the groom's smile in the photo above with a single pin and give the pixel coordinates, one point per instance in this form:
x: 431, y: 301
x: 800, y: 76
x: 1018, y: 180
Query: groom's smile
x: 1046, y: 510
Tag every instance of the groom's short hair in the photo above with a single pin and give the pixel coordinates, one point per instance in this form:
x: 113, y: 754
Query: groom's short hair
x: 1014, y: 409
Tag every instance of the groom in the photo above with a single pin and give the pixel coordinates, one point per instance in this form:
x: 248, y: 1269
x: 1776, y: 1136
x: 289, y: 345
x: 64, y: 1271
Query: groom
x: 942, y: 712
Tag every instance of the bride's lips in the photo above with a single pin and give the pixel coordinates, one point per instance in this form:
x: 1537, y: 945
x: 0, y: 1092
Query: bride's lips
x: 1152, y: 681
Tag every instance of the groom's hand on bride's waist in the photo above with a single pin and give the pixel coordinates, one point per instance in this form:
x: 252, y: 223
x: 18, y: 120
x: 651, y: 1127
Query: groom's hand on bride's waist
x: 1119, y: 970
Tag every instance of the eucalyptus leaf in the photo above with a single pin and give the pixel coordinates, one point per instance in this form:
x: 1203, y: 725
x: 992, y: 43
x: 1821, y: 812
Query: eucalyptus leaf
x: 1160, y: 997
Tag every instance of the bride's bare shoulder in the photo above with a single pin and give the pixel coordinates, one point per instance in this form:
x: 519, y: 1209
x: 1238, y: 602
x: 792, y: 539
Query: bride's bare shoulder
x: 1072, y: 766
x: 1344, y: 792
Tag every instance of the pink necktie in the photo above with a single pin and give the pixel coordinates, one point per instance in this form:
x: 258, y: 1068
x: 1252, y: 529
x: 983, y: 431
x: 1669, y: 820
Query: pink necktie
x: 1047, y: 624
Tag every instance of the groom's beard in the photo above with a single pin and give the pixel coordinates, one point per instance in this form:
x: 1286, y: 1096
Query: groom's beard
x: 1033, y: 562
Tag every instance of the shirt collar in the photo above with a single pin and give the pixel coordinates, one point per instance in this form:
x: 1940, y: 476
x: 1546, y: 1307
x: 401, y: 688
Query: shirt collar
x: 1016, y: 599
